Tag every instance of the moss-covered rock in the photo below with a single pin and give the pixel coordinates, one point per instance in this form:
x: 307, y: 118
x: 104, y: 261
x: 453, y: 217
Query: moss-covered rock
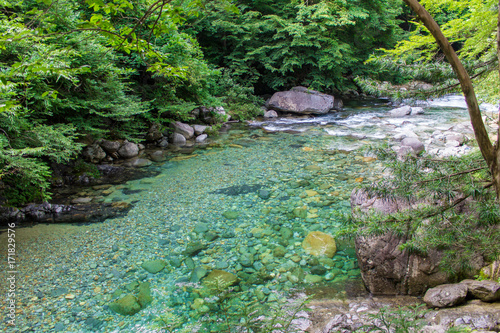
x: 300, y: 212
x: 279, y: 251
x: 231, y: 214
x: 154, y: 266
x: 144, y: 295
x: 126, y: 306
x: 193, y: 248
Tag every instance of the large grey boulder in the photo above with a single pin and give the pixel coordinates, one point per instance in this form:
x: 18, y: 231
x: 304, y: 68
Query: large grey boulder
x: 385, y: 268
x: 414, y: 143
x: 93, y: 153
x: 302, y: 101
x: 485, y: 290
x: 128, y: 150
x: 446, y: 295
x: 184, y: 129
x: 110, y: 147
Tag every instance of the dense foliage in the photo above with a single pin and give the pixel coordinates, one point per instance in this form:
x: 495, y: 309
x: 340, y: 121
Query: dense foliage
x: 281, y: 44
x: 469, y: 25
x: 73, y: 71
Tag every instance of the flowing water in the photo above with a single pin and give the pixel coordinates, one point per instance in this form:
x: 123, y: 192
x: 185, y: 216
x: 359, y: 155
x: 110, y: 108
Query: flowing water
x: 242, y: 205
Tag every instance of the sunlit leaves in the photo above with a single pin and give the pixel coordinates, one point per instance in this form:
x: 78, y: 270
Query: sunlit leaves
x: 470, y: 26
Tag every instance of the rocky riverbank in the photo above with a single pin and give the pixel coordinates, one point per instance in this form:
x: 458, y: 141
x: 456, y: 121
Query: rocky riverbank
x: 363, y: 314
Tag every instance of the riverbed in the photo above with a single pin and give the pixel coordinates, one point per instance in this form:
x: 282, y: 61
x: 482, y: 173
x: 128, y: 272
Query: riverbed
x: 243, y: 204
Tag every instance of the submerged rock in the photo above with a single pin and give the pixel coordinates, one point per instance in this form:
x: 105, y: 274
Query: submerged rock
x: 139, y: 163
x: 126, y: 306
x: 231, y: 214
x: 157, y: 156
x: 219, y: 279
x: 194, y: 248
x: 144, y: 295
x: 318, y: 243
x: 154, y: 266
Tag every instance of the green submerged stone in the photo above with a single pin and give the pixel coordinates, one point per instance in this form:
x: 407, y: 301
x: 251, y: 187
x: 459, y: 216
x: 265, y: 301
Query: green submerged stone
x: 144, y: 295
x: 231, y: 214
x: 154, y: 266
x: 311, y: 278
x: 126, y: 306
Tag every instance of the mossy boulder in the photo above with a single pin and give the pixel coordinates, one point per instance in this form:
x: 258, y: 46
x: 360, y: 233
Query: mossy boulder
x: 193, y: 248
x: 126, y: 306
x: 279, y: 251
x: 300, y: 212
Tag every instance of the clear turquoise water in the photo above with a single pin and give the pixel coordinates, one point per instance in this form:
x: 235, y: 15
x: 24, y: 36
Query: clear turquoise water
x: 280, y: 182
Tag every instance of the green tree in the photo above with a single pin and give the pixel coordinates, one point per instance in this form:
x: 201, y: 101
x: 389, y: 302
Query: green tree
x: 489, y: 151
x: 470, y: 27
x: 465, y: 49
x: 275, y: 45
x: 70, y: 70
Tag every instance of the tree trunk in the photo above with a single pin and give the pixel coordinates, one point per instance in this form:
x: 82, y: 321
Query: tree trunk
x: 490, y: 153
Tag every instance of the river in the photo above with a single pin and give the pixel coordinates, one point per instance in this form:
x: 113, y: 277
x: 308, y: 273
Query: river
x: 243, y: 205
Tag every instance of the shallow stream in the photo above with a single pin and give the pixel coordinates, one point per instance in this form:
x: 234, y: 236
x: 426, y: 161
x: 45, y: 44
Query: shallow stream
x: 243, y: 204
